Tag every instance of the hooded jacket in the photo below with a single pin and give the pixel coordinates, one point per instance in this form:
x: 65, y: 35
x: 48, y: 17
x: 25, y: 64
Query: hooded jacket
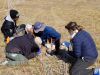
x: 8, y: 27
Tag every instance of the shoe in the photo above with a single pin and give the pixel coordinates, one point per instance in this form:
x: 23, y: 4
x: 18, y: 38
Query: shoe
x: 97, y: 71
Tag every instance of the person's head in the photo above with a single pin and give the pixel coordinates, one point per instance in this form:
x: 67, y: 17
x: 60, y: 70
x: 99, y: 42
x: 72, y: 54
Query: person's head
x: 29, y: 28
x: 72, y: 27
x: 39, y: 27
x: 14, y: 14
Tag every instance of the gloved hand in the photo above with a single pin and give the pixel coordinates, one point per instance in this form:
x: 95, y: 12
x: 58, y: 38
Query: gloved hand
x: 8, y: 39
x: 66, y: 45
x: 39, y: 52
x: 48, y: 46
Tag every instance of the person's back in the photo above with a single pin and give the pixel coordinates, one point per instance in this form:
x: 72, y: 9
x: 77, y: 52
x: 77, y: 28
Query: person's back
x: 25, y: 45
x: 88, y: 47
x: 50, y: 32
x: 20, y: 50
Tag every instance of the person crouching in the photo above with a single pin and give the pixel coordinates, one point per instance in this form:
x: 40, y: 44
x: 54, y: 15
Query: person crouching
x: 84, y: 50
x: 48, y: 33
x: 20, y: 50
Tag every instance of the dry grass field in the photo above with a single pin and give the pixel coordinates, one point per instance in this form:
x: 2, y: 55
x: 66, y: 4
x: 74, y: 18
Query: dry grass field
x: 56, y: 13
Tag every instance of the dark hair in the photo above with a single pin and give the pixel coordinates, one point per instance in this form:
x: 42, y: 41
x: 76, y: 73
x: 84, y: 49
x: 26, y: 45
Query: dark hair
x: 73, y: 26
x: 14, y: 14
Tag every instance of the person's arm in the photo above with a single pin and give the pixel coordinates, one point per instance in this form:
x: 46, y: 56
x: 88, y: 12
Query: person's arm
x: 9, y: 29
x: 77, y: 48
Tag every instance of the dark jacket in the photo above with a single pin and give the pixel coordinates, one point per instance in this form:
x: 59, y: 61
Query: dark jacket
x: 49, y: 33
x: 84, y: 46
x: 8, y: 28
x: 24, y: 45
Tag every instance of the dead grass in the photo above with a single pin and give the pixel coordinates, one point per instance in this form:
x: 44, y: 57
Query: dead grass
x: 56, y: 13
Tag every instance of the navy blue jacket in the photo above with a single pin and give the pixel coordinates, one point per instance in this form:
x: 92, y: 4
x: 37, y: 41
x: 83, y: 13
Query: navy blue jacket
x: 24, y: 45
x: 50, y: 32
x: 84, y: 46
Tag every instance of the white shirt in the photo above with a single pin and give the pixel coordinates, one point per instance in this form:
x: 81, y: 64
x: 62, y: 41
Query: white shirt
x: 73, y: 35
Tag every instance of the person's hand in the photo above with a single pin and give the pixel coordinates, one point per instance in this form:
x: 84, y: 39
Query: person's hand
x: 8, y: 39
x: 63, y: 47
x: 52, y: 46
x: 48, y: 46
x: 39, y: 52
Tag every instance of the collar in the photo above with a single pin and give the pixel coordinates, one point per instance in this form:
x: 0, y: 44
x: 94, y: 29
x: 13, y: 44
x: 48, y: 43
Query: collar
x: 8, y: 18
x: 73, y: 35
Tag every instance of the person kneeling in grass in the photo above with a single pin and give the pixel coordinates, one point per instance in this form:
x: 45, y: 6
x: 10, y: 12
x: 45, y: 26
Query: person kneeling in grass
x: 47, y: 33
x: 20, y: 49
x: 84, y: 51
x: 9, y: 25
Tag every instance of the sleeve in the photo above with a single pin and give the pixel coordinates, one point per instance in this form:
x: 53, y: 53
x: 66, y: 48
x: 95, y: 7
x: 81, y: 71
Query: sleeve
x: 8, y: 29
x: 54, y: 35
x: 77, y: 48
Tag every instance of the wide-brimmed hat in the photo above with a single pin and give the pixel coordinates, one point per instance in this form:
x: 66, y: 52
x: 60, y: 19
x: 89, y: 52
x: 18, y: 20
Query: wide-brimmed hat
x: 38, y: 26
